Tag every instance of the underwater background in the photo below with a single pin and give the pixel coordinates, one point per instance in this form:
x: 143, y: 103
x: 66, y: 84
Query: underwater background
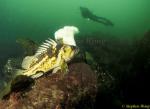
x: 39, y: 19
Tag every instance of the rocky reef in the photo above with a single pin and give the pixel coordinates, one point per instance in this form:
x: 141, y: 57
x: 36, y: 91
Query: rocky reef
x: 136, y: 88
x: 122, y: 66
x: 77, y: 89
x: 107, y: 72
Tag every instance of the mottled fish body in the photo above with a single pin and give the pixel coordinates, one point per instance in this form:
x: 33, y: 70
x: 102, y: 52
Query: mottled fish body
x: 51, y: 55
x: 47, y: 58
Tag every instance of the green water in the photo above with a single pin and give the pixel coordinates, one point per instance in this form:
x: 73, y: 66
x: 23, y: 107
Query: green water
x: 39, y: 19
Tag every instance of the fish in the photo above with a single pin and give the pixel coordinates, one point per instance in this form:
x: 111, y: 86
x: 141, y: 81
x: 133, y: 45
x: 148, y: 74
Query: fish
x: 48, y: 57
x: 51, y: 56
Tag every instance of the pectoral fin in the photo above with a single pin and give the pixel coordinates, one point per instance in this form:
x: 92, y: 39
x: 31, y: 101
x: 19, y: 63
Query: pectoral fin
x: 64, y: 68
x: 37, y: 75
x: 55, y: 70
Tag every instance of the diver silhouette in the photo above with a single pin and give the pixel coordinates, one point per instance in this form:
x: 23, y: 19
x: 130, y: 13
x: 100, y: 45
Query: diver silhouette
x: 86, y: 13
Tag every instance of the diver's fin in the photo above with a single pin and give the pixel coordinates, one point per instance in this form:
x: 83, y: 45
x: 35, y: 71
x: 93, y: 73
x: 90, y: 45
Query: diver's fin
x: 88, y: 19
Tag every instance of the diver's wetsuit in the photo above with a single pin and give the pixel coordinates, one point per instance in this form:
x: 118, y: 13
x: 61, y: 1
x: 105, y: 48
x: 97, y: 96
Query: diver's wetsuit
x: 86, y: 13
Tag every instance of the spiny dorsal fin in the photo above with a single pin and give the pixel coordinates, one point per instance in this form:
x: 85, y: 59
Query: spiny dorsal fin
x: 48, y: 45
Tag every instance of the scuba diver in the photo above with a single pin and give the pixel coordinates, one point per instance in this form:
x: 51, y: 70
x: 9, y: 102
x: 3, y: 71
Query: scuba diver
x: 86, y: 13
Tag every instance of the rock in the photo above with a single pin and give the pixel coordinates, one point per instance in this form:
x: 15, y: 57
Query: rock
x: 136, y: 88
x: 9, y: 72
x: 28, y: 45
x: 77, y: 89
x: 11, y: 65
